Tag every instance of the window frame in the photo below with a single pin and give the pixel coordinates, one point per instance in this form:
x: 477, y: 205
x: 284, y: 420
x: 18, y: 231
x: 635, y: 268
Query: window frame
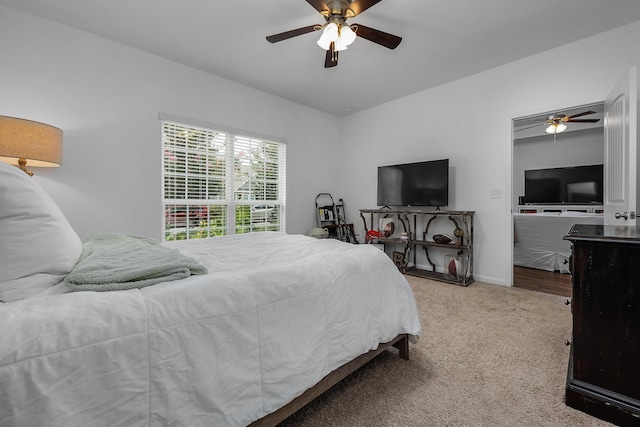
x: 236, y: 217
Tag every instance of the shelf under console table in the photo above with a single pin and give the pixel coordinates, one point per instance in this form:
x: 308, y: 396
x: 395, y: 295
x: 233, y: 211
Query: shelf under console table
x: 458, y: 266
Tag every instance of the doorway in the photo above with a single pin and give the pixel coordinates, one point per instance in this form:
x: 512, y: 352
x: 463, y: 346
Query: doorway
x: 540, y: 254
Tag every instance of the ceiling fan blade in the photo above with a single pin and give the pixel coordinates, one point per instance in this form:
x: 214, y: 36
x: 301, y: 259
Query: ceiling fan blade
x: 578, y: 115
x: 359, y: 6
x: 331, y: 58
x: 320, y: 6
x: 380, y: 37
x: 292, y: 33
x: 583, y: 121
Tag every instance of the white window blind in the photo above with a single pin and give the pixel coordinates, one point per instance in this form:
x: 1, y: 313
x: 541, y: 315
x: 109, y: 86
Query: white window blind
x: 217, y: 183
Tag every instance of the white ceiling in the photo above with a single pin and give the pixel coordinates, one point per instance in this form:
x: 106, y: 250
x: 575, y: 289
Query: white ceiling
x: 442, y: 40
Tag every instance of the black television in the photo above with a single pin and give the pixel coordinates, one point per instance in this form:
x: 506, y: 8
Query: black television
x: 574, y: 185
x: 414, y: 184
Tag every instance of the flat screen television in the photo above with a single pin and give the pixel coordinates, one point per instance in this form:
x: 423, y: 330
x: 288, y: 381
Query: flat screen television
x: 577, y: 185
x: 414, y: 184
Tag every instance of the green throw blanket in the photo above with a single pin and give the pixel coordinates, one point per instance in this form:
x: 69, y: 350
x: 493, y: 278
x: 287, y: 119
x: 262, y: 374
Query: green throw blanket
x: 113, y: 262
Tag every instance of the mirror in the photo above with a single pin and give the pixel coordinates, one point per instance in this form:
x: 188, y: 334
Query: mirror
x: 540, y: 255
x: 580, y: 144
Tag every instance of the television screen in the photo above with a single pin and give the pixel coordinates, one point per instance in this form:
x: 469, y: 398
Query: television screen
x: 571, y: 185
x: 414, y: 184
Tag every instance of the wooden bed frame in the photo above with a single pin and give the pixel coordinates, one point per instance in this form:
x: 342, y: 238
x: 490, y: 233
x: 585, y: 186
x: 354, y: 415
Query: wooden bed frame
x: 401, y: 342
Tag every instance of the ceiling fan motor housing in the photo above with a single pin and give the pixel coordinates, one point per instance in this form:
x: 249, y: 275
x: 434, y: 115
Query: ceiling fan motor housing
x: 339, y: 8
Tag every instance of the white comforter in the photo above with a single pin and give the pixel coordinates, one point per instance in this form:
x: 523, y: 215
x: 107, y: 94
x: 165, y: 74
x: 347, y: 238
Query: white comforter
x: 275, y: 314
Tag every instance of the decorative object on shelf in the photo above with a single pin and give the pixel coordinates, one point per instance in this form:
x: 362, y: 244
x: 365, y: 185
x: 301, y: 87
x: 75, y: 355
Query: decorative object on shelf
x: 399, y: 261
x: 23, y: 141
x: 372, y: 235
x: 326, y: 214
x: 387, y: 227
x: 458, y: 232
x: 442, y: 238
x: 454, y: 266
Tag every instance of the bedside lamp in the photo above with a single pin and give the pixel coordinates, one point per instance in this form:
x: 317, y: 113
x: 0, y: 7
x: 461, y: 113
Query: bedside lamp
x: 23, y: 141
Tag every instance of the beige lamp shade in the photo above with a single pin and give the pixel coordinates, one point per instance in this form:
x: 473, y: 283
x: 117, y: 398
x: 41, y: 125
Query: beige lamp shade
x: 37, y: 143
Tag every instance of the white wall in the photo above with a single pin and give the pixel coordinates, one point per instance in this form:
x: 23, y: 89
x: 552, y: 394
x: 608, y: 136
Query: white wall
x: 106, y: 97
x: 469, y: 121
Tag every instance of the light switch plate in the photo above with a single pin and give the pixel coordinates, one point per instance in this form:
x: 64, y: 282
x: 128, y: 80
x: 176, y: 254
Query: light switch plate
x: 495, y: 194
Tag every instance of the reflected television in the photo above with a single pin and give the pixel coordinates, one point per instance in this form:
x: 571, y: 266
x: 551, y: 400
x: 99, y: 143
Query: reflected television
x: 575, y: 185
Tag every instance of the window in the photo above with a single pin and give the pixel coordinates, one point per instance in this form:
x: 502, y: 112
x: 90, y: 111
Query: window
x: 217, y: 183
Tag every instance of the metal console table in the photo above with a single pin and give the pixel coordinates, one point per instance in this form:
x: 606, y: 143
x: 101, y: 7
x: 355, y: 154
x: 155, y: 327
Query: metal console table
x: 462, y: 243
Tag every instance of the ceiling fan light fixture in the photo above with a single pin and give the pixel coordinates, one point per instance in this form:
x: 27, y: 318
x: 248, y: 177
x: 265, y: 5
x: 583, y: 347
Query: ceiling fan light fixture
x: 329, y: 34
x: 347, y: 35
x: 556, y: 128
x: 340, y: 44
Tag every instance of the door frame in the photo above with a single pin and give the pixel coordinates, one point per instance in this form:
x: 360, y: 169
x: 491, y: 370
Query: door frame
x: 511, y: 204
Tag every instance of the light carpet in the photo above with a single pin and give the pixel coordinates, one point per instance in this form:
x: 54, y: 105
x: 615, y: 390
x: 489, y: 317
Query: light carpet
x: 489, y: 355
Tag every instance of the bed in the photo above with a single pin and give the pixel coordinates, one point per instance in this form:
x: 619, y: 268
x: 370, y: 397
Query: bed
x: 274, y: 320
x: 538, y: 238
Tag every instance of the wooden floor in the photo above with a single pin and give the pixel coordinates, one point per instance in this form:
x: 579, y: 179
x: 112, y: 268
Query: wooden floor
x: 542, y: 281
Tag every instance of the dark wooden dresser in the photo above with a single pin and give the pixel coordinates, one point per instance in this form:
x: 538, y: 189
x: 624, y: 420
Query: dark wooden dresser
x: 604, y: 365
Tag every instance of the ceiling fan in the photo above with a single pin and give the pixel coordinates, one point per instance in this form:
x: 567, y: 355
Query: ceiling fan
x: 336, y: 33
x: 556, y: 122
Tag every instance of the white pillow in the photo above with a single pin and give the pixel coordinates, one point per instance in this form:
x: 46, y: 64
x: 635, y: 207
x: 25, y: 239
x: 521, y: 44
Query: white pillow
x: 38, y: 247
